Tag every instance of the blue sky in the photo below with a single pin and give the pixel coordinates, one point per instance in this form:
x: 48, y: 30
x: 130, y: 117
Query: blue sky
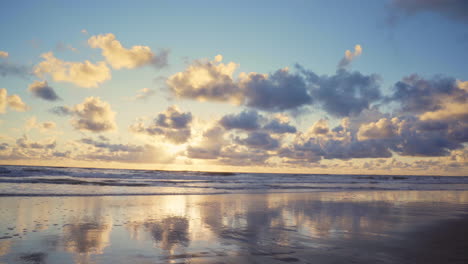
x: 422, y: 38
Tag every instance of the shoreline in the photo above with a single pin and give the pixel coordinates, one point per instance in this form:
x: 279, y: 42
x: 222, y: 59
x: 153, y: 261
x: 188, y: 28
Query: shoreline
x: 218, y: 172
x: 266, y: 192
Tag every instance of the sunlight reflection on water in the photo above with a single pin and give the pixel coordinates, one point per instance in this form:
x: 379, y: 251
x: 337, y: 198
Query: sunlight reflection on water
x: 237, y: 228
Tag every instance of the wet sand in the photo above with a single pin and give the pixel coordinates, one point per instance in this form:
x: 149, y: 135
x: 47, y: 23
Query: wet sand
x: 331, y: 227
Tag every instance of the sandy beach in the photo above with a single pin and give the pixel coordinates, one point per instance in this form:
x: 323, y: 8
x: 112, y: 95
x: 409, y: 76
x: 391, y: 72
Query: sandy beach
x: 329, y: 227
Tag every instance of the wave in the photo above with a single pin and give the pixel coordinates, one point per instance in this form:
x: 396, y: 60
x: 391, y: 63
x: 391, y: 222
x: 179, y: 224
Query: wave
x: 73, y: 182
x: 33, y: 180
x: 102, y: 194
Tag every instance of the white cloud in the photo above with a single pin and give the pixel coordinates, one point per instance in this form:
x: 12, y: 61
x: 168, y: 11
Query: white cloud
x: 207, y: 80
x: 3, y: 100
x: 83, y: 74
x: 15, y: 102
x: 118, y: 56
x: 12, y: 101
x: 450, y: 111
x: 384, y: 128
x: 350, y: 56
x: 92, y: 114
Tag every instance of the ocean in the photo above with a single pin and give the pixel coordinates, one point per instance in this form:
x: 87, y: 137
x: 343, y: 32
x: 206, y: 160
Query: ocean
x: 62, y: 215
x: 67, y: 181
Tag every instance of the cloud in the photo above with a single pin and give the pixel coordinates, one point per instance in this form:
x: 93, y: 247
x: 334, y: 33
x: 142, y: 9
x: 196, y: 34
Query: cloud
x: 262, y: 135
x: 105, y: 151
x: 15, y: 102
x: 43, y: 91
x: 462, y: 85
x: 82, y: 74
x: 3, y: 100
x: 206, y: 80
x: 174, y: 118
x: 321, y: 142
x: 251, y: 120
x: 4, y: 146
x: 212, y: 80
x: 210, y: 145
x: 345, y: 93
x: 12, y: 101
x: 441, y: 117
x: 7, y: 68
x: 172, y: 124
x: 453, y: 9
x: 145, y: 93
x: 418, y: 95
x: 428, y: 137
x: 280, y: 91
x: 342, y: 94
x: 119, y: 57
x: 47, y: 125
x: 384, y: 128
x: 350, y: 56
x: 24, y: 142
x: 246, y: 120
x: 447, y: 100
x: 161, y: 60
x: 62, y: 47
x: 449, y: 111
x: 320, y: 127
x: 335, y: 149
x: 301, y: 155
x: 236, y: 155
x: 62, y: 111
x: 278, y: 126
x: 92, y: 115
x: 329, y: 148
x: 111, y: 147
x: 3, y: 54
x: 26, y: 149
x: 411, y: 136
x: 259, y: 140
x: 425, y: 131
x: 43, y: 127
x: 61, y: 154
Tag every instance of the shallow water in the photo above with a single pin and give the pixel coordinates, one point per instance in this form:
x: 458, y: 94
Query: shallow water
x: 317, y: 227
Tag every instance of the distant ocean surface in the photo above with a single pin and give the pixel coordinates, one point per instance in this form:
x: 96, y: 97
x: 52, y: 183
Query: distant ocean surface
x: 63, y: 181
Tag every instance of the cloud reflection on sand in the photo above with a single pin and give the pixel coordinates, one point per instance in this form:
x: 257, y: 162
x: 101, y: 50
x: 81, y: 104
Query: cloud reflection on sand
x: 204, y: 228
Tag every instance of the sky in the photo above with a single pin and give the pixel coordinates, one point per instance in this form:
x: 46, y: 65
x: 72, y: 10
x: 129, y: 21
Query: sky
x: 374, y: 87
